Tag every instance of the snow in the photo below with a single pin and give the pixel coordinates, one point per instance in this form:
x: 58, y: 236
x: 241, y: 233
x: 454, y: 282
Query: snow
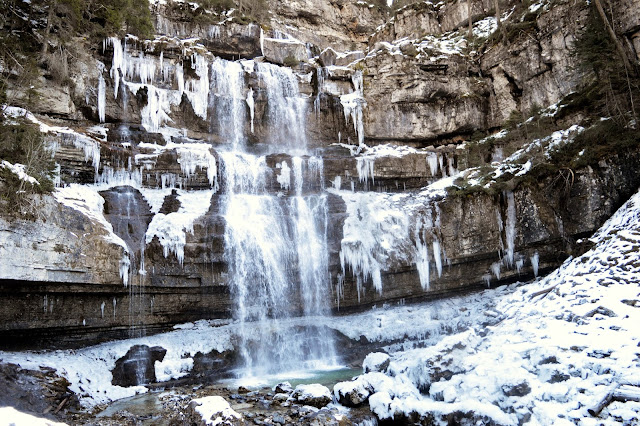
x: 549, y: 356
x: 171, y: 229
x: 19, y: 170
x: 485, y: 27
x: 215, y: 410
x: 11, y: 417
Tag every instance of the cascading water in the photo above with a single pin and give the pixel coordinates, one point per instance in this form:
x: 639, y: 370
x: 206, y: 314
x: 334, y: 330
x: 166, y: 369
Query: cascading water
x: 268, y: 237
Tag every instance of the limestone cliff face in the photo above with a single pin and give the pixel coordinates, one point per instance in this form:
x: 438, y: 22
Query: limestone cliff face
x: 146, y: 127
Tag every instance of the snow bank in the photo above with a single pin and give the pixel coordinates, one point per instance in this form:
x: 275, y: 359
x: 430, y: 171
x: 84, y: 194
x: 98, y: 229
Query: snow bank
x: 12, y: 417
x: 89, y: 369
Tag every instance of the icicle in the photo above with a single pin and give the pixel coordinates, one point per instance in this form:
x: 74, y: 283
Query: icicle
x: 102, y: 97
x: 337, y: 182
x: 251, y: 104
x: 535, y: 262
x: 353, y: 103
x: 510, y: 227
x: 437, y: 255
x: 197, y: 90
x: 432, y: 161
x: 365, y: 168
x: 487, y: 279
x: 102, y: 309
x: 114, y: 307
x: 422, y: 263
x: 125, y: 264
x: 495, y: 268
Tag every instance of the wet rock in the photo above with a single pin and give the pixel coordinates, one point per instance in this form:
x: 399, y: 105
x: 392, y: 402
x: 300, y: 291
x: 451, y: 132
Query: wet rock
x: 279, y: 419
x: 315, y: 395
x: 137, y: 367
x: 244, y: 390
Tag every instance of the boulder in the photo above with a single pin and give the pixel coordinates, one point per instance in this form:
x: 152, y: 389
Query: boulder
x: 137, y: 367
x: 315, y: 395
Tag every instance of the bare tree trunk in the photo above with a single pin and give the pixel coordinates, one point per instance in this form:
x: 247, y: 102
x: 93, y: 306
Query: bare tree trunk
x: 612, y: 33
x: 470, y: 19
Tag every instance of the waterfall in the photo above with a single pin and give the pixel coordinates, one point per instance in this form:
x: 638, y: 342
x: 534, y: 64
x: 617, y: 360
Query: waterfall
x: 268, y: 240
x: 285, y: 107
x: 229, y: 100
x: 268, y: 237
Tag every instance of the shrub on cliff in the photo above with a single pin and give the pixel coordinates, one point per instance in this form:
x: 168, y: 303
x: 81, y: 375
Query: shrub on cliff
x: 26, y: 166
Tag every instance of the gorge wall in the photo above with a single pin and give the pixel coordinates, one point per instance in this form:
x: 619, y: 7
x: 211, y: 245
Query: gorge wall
x: 366, y: 117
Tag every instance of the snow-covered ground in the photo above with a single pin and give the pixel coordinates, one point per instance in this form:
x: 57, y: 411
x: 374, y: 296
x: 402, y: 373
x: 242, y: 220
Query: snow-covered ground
x: 11, y: 417
x: 557, y: 348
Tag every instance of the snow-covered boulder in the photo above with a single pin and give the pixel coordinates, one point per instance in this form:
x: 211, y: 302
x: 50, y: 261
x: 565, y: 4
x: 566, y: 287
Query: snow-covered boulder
x: 212, y: 411
x: 315, y: 395
x: 358, y: 390
x: 376, y: 361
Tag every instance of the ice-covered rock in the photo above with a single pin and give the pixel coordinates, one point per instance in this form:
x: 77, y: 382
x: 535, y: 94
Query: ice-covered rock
x: 358, y: 390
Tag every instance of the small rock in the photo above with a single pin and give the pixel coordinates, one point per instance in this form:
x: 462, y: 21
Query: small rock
x: 242, y: 390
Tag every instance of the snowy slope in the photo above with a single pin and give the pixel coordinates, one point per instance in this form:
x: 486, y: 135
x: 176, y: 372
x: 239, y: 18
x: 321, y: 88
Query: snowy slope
x: 554, y: 355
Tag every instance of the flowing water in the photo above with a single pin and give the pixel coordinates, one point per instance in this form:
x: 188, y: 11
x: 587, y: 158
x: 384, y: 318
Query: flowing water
x: 275, y: 246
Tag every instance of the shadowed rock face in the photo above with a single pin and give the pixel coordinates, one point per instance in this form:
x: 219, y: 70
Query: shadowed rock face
x: 137, y: 367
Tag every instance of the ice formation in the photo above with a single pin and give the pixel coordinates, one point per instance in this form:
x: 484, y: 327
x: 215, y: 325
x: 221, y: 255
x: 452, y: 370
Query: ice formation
x: 171, y: 229
x: 353, y: 104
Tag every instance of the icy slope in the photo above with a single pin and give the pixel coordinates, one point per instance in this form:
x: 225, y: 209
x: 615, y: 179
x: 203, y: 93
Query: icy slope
x: 565, y: 342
